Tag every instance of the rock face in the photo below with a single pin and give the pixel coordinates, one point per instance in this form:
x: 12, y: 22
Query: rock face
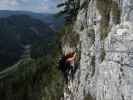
x: 105, y: 71
x: 115, y: 80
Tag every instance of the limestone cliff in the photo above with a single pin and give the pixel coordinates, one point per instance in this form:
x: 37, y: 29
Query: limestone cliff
x: 105, y: 72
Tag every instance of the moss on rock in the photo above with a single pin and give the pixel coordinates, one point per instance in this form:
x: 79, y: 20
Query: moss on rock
x: 69, y: 36
x: 88, y: 97
x: 116, y: 12
x: 105, y: 8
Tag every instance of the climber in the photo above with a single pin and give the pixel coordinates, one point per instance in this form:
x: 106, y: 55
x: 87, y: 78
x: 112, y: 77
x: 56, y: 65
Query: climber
x: 70, y: 58
x: 66, y: 65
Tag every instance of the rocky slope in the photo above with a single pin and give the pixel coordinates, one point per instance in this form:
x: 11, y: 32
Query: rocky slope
x: 105, y: 71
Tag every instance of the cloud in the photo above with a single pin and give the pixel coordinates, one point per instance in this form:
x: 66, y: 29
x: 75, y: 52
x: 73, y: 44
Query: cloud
x: 30, y: 5
x: 44, y: 7
x: 24, y: 1
x: 45, y: 0
x: 8, y: 4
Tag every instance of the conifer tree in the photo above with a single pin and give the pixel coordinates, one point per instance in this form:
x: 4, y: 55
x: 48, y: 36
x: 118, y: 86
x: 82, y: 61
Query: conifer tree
x: 70, y: 10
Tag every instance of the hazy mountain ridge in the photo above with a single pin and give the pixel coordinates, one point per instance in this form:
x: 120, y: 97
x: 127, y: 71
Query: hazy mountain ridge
x: 17, y: 31
x: 54, y: 23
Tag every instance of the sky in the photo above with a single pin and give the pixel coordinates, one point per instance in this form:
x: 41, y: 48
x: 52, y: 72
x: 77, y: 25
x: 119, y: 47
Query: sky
x: 41, y: 6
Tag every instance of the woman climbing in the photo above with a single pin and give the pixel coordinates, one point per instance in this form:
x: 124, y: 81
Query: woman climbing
x: 66, y: 65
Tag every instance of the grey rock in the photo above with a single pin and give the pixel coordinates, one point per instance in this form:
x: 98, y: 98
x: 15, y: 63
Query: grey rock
x: 112, y: 78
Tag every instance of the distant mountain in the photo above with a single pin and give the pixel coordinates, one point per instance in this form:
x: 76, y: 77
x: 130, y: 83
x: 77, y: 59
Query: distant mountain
x: 16, y: 32
x: 53, y: 22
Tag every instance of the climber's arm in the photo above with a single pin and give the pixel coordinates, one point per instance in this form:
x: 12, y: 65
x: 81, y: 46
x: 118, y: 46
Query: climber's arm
x: 71, y: 59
